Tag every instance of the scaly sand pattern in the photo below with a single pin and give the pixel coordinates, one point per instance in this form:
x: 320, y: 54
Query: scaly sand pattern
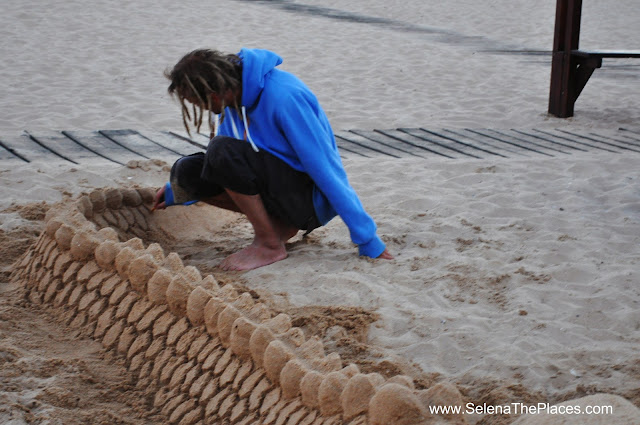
x: 205, y: 352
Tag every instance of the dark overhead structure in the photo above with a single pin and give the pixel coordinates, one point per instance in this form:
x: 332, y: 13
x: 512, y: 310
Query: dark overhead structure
x: 571, y: 67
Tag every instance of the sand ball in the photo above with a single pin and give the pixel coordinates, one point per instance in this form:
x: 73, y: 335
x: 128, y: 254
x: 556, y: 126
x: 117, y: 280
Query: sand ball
x: 122, y: 261
x: 140, y: 271
x: 395, y: 404
x: 241, y: 332
x: 51, y: 213
x: 135, y: 244
x: 196, y: 302
x: 442, y: 394
x: 260, y: 313
x: 63, y: 236
x: 113, y: 198
x: 157, y: 286
x: 173, y: 263
x: 309, y: 387
x: 245, y: 302
x: 210, y: 284
x: 275, y: 357
x: 350, y: 370
x: 376, y: 379
x: 279, y: 324
x: 108, y: 233
x: 211, y: 313
x: 329, y: 393
x: 330, y: 363
x: 178, y: 293
x: 52, y: 227
x: 295, y: 336
x: 258, y: 343
x: 356, y: 396
x: 147, y: 194
x: 156, y: 251
x: 106, y: 254
x: 131, y: 198
x: 312, y: 349
x: 98, y: 201
x: 225, y: 323
x: 83, y: 245
x: 290, y: 378
x: 228, y: 292
x: 77, y: 220
x: 85, y: 206
x: 192, y: 274
x: 404, y: 380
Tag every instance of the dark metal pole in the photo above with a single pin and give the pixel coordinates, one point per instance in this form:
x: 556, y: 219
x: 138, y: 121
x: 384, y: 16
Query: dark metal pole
x: 563, y: 92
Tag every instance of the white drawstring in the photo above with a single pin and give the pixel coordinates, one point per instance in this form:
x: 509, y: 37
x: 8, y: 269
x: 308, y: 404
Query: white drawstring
x: 236, y: 134
x: 246, y: 126
x: 216, y: 124
x: 235, y: 129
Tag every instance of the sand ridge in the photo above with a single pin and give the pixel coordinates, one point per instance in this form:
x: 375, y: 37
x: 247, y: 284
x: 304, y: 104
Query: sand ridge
x: 189, y: 340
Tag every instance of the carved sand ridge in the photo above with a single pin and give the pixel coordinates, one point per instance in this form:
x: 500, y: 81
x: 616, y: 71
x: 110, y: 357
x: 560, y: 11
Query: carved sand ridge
x: 208, y: 354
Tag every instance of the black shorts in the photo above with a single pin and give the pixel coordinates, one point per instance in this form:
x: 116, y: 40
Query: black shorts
x: 233, y: 164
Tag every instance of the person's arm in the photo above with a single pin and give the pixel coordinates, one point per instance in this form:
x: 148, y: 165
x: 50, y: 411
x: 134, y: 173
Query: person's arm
x: 314, y: 146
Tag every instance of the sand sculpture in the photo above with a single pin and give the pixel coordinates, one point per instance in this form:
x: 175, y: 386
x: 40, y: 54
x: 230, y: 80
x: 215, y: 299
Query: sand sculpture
x: 208, y: 354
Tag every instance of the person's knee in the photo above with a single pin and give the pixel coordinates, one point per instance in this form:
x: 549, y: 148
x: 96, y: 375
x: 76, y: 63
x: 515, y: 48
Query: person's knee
x: 186, y: 171
x: 231, y: 164
x: 221, y: 147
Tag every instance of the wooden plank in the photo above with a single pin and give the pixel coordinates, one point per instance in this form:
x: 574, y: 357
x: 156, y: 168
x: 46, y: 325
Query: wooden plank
x: 143, y: 146
x: 618, y: 138
x: 430, y: 139
x: 525, y: 146
x: 353, y: 149
x: 170, y: 142
x: 120, y: 146
x: 346, y: 150
x: 24, y: 147
x: 7, y: 155
x: 64, y: 147
x: 633, y: 131
x: 471, y: 147
x: 608, y: 142
x: 422, y: 144
x: 393, y: 144
x: 184, y: 136
x: 555, y: 136
x: 548, y: 139
x: 541, y: 144
x: 102, y: 146
x: 493, y: 145
x: 630, y: 134
x: 362, y: 144
x: 633, y: 139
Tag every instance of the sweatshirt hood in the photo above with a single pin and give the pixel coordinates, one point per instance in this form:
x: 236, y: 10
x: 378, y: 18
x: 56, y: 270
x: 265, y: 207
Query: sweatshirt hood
x: 256, y: 64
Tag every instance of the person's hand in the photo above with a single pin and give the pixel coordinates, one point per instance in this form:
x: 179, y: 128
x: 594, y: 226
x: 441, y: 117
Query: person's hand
x: 158, y: 200
x: 386, y: 255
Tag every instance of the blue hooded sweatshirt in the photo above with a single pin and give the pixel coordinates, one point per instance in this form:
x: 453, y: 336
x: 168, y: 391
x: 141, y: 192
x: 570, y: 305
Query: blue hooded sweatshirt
x: 283, y: 117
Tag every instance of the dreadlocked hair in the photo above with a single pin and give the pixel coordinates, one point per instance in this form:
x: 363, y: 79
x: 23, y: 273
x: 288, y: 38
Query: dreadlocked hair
x: 199, y: 74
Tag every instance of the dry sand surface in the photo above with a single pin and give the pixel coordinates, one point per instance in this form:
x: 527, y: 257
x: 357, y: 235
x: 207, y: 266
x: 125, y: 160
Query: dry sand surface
x: 515, y: 279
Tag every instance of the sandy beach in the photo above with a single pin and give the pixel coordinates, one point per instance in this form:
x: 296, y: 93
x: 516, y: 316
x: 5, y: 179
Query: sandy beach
x: 515, y: 279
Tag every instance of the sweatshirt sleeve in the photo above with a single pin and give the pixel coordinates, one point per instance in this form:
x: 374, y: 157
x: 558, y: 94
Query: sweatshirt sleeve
x: 313, y: 143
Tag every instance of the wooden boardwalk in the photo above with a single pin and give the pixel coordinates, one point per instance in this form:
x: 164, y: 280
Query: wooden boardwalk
x: 122, y: 146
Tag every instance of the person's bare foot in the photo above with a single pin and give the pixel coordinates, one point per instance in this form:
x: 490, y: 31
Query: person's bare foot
x: 254, y: 256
